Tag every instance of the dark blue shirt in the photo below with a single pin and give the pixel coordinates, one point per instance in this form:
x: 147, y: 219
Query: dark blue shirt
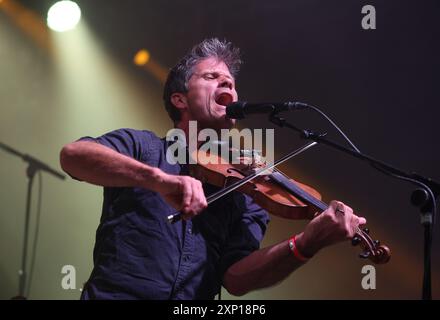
x: 139, y: 255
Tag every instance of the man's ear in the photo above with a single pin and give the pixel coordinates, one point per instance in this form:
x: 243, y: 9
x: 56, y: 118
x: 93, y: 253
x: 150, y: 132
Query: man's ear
x: 179, y: 100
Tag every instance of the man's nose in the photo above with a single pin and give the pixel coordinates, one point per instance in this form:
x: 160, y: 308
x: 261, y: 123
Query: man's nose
x: 225, y: 82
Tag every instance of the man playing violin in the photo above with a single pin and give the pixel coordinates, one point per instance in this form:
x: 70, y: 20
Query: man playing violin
x: 138, y: 254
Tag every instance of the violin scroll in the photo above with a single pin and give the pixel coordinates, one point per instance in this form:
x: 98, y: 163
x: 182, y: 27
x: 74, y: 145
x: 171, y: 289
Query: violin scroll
x: 371, y: 249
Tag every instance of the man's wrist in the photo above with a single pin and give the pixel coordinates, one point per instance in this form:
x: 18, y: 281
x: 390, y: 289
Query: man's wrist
x: 304, y: 249
x: 295, y: 251
x: 153, y: 178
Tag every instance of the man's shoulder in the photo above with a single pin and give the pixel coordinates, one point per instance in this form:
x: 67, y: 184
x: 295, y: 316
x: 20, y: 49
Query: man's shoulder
x: 136, y: 134
x: 132, y: 142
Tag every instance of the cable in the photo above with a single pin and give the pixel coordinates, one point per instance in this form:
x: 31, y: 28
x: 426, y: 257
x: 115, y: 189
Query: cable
x: 334, y: 125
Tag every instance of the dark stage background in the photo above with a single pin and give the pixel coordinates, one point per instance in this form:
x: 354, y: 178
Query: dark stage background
x: 380, y: 86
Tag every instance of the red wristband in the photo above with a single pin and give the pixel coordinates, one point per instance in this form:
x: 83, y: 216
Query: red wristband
x: 294, y: 249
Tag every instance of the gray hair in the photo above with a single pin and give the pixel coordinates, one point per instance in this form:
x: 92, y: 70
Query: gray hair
x: 180, y: 74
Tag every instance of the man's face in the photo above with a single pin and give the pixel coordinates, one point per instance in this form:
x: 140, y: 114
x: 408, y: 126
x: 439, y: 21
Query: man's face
x: 210, y: 89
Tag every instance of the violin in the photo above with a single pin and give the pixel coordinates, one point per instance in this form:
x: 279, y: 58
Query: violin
x: 273, y: 191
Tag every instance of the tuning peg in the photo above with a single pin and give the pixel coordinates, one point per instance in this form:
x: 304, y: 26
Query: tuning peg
x: 355, y: 241
x: 376, y: 243
x: 364, y: 255
x: 366, y: 230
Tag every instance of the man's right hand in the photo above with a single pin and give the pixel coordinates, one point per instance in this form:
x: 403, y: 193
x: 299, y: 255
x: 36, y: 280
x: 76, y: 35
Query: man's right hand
x: 184, y: 193
x: 101, y: 165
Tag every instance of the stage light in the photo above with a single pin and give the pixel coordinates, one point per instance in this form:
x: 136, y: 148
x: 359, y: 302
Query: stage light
x: 144, y: 60
x: 63, y: 16
x: 142, y: 57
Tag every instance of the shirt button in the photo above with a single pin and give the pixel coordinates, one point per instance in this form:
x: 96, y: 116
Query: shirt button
x: 189, y: 230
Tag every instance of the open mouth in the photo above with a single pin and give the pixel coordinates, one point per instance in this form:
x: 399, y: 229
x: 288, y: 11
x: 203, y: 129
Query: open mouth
x: 224, y: 99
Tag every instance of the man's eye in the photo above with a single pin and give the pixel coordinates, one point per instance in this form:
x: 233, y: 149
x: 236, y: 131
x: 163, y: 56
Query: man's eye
x: 210, y: 76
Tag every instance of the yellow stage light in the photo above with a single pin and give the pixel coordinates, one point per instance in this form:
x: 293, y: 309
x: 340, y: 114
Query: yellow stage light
x: 142, y: 57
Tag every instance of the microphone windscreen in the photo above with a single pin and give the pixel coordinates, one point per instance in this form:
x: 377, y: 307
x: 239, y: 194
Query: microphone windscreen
x: 235, y: 110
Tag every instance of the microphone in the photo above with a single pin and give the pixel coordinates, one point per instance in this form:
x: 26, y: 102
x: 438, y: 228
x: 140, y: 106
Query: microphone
x: 239, y: 109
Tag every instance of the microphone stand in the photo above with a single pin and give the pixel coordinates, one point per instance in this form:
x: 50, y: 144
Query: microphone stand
x: 424, y: 197
x: 33, y: 166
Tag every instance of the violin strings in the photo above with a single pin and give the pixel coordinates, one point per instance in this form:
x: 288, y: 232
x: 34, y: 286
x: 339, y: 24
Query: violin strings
x: 358, y: 230
x: 318, y: 202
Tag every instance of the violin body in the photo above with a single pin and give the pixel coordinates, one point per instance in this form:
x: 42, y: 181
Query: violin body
x: 272, y: 197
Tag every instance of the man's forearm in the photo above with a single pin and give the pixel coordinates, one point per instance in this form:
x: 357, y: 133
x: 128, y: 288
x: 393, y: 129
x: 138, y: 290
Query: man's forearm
x: 100, y: 165
x: 260, y: 269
